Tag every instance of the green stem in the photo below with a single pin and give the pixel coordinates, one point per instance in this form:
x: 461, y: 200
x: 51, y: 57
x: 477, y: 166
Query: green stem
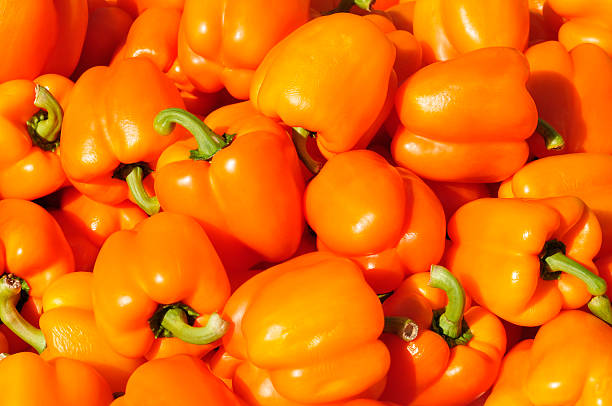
x: 209, y: 143
x: 600, y: 307
x: 403, y: 327
x: 558, y: 262
x: 451, y: 320
x: 47, y: 127
x: 552, y: 139
x: 10, y: 288
x: 300, y: 140
x: 175, y: 321
x: 345, y: 6
x: 3, y: 355
x: 149, y: 204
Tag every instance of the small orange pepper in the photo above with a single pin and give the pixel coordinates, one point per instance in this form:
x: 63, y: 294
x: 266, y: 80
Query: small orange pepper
x: 449, y: 28
x: 152, y: 283
x: 28, y: 380
x: 526, y: 260
x: 467, y: 119
x: 587, y: 176
x: 443, y: 352
x: 179, y: 380
x: 569, y: 362
x: 31, y: 118
x: 385, y: 218
x: 237, y: 36
x: 108, y: 139
x: 317, y: 341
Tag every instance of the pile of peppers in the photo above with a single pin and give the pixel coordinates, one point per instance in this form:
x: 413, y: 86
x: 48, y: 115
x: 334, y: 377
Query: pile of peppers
x: 306, y: 203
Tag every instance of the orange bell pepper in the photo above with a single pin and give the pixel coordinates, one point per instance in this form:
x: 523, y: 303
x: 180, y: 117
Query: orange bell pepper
x: 108, y: 136
x: 526, y: 260
x: 33, y: 250
x: 67, y: 327
x: 571, y: 91
x: 317, y: 341
x: 249, y: 204
x: 106, y: 31
x: 568, y: 363
x: 87, y: 224
x: 41, y: 36
x: 154, y: 35
x: 587, y: 176
x: 439, y: 354
x: 28, y: 380
x: 449, y: 28
x: 466, y: 120
x: 587, y: 21
x: 316, y: 79
x: 238, y: 34
x: 179, y: 380
x: 31, y: 118
x: 153, y: 282
x: 384, y: 218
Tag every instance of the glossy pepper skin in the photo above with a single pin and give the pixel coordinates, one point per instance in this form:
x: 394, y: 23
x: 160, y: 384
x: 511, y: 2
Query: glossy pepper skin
x: 41, y: 36
x: 584, y: 175
x: 571, y: 92
x: 330, y: 76
x: 222, y: 42
x: 504, y: 252
x: 317, y: 341
x: 107, y: 126
x: 154, y: 35
x: 33, y: 249
x: 178, y: 380
x: 587, y: 21
x: 568, y: 363
x: 250, y: 204
x: 62, y: 382
x: 432, y: 368
x: 449, y: 28
x: 385, y: 218
x: 166, y: 260
x: 467, y: 119
x: 87, y: 224
x: 30, y: 120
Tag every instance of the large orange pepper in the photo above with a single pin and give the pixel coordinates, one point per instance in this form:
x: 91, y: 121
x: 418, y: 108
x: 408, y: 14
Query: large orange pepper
x: 568, y: 363
x: 584, y: 175
x: 587, y: 21
x: 30, y: 121
x: 250, y: 204
x: 87, y: 224
x: 178, y: 380
x: 153, y: 282
x: 108, y: 139
x: 385, y: 218
x: 67, y: 327
x: 467, y: 119
x: 332, y: 76
x: 317, y: 341
x: 154, y: 35
x: 449, y: 28
x: 28, y: 380
x: 34, y: 250
x: 222, y: 42
x: 526, y: 260
x: 41, y: 36
x: 439, y: 354
x: 571, y: 92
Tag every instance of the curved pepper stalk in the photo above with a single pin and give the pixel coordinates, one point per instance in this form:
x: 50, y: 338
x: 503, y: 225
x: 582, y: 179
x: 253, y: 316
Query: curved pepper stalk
x: 44, y: 126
